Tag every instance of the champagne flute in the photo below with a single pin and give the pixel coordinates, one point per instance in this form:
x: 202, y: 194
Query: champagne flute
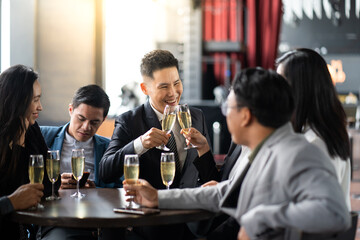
x: 184, y: 118
x: 53, y: 171
x: 36, y: 172
x: 167, y: 123
x: 167, y: 168
x: 77, y: 167
x: 131, y: 172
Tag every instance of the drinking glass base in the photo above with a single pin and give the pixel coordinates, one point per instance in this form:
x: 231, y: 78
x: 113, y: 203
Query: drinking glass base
x: 78, y: 195
x: 163, y: 147
x: 39, y: 206
x: 190, y: 146
x: 52, y: 198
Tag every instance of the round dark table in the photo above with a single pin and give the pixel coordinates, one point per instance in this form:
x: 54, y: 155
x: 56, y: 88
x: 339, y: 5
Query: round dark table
x: 95, y: 210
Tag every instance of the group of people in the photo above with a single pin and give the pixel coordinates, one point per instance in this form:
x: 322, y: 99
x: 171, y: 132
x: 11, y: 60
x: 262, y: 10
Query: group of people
x: 287, y: 171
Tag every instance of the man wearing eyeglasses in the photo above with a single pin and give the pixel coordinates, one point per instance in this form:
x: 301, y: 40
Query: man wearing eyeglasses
x: 288, y: 185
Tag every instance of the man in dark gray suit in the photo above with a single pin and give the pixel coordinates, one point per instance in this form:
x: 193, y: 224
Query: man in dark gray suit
x: 139, y: 131
x: 287, y: 183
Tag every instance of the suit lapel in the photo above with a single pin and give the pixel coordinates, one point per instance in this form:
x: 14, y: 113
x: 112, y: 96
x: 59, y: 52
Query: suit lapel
x: 254, y: 174
x: 98, y: 150
x: 59, y: 139
x: 150, y: 117
x: 232, y: 157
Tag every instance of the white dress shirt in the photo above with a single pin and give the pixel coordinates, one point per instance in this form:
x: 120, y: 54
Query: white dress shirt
x: 71, y: 143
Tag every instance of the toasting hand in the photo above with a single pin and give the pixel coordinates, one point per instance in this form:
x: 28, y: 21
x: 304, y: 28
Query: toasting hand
x: 196, y: 138
x: 154, y: 137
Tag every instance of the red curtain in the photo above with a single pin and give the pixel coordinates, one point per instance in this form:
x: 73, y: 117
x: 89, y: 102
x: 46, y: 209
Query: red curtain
x: 223, y: 22
x: 263, y: 28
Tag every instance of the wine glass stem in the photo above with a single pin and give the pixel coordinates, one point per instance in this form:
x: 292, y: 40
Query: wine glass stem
x: 77, y: 186
x: 52, y: 189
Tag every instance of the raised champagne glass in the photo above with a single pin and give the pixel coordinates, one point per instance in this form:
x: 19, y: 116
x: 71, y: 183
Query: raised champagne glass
x: 167, y: 123
x: 77, y: 167
x: 184, y: 118
x: 53, y: 171
x: 131, y: 172
x: 36, y: 171
x: 167, y: 167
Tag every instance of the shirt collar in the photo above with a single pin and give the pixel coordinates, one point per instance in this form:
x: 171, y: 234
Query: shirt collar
x: 70, y: 139
x: 158, y: 114
x: 258, y: 147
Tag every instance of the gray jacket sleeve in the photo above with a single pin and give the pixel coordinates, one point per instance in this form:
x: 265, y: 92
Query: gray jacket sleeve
x: 207, y: 198
x: 5, y: 206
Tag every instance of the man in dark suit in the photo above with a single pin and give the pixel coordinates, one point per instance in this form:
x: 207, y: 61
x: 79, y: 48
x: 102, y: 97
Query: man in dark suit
x: 139, y: 130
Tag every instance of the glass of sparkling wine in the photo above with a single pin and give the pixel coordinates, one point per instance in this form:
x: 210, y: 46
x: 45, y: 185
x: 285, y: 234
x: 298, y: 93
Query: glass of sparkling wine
x: 167, y: 123
x: 77, y: 167
x: 53, y: 171
x: 36, y: 171
x: 131, y: 172
x: 167, y: 168
x: 184, y: 118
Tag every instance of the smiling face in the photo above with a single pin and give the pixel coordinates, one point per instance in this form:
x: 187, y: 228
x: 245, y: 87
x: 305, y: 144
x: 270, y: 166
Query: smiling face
x: 32, y: 112
x: 85, y: 120
x: 165, y: 88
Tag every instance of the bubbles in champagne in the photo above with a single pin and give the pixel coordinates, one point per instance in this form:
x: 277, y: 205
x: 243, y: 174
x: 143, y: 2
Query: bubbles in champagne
x: 53, y: 169
x: 36, y: 174
x: 77, y: 166
x: 184, y: 119
x: 167, y: 172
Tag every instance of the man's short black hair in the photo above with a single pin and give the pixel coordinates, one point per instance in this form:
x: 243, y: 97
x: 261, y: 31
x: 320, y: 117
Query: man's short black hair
x: 92, y: 95
x: 267, y: 94
x: 157, y: 60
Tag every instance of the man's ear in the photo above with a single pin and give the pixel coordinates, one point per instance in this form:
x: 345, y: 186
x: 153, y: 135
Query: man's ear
x: 71, y: 109
x: 246, y: 116
x: 143, y: 88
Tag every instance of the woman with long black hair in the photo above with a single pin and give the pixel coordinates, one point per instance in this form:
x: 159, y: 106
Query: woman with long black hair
x: 318, y: 113
x: 20, y: 136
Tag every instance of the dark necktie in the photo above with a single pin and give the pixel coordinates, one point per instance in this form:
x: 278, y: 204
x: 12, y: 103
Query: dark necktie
x: 172, y: 145
x: 232, y: 199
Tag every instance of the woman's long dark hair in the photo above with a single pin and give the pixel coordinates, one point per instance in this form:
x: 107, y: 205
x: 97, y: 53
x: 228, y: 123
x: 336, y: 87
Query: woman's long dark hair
x: 316, y: 100
x: 16, y: 93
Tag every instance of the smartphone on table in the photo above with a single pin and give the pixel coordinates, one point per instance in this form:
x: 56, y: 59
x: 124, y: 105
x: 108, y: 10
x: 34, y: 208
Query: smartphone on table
x: 83, y: 179
x: 138, y: 211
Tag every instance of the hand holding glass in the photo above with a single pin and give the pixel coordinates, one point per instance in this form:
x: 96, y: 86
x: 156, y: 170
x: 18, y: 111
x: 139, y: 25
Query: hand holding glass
x: 36, y: 171
x: 77, y: 166
x: 184, y: 118
x: 53, y: 171
x: 167, y: 167
x: 131, y: 172
x: 167, y: 123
